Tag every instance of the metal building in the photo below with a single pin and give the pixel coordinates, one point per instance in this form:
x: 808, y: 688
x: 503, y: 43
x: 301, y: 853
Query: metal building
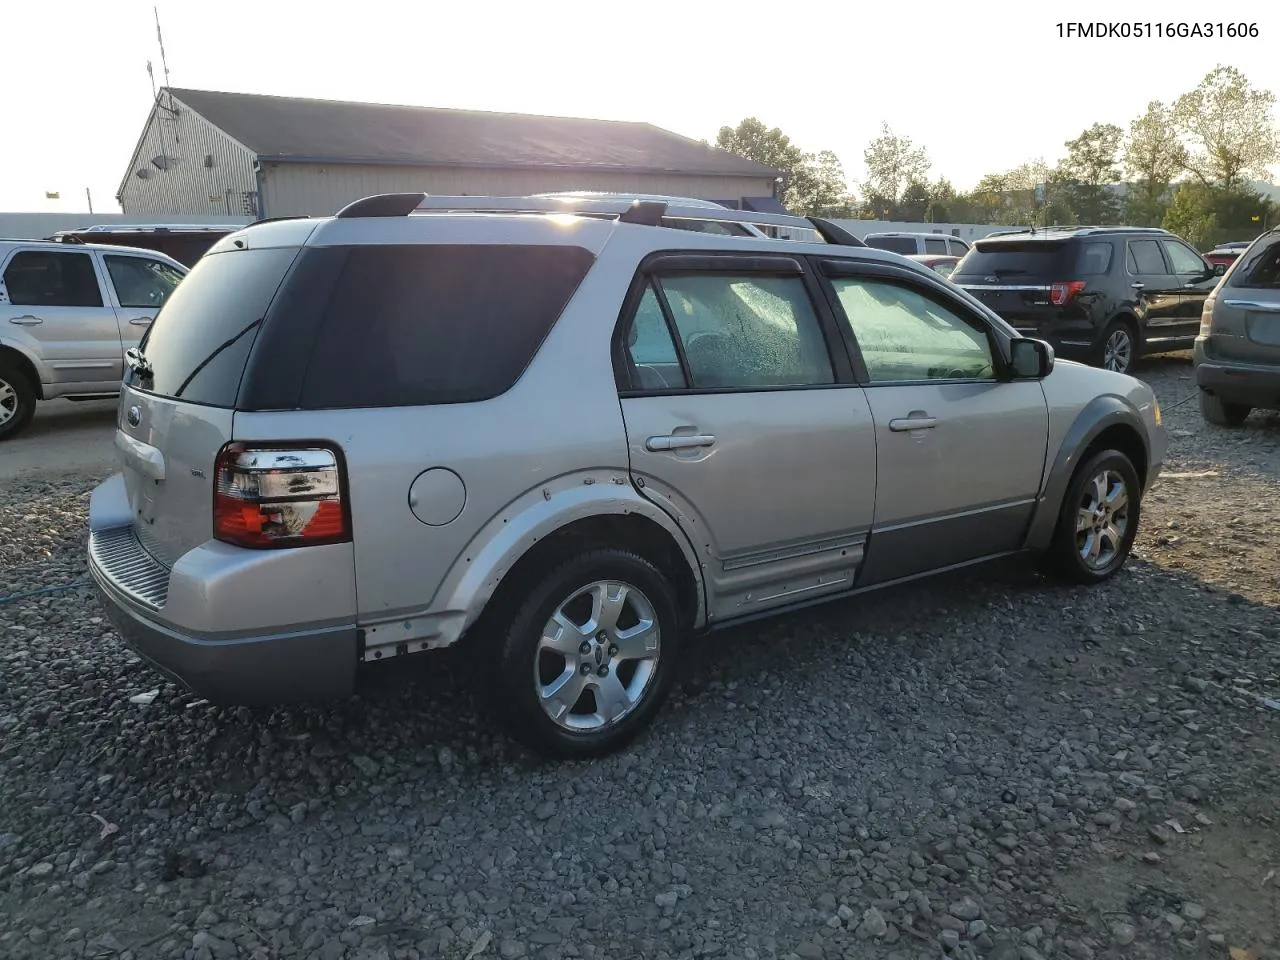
x: 236, y: 154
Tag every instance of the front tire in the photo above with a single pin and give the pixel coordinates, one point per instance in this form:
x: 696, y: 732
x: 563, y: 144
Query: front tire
x: 583, y: 658
x: 1119, y: 347
x: 1217, y: 411
x: 17, y: 400
x: 1098, y: 520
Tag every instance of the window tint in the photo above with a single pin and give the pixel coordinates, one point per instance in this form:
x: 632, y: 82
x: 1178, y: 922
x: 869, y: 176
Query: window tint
x: 1261, y: 266
x: 140, y: 282
x: 1185, y: 261
x: 1145, y: 259
x: 40, y: 278
x: 196, y: 348
x: 1094, y: 259
x: 905, y: 336
x: 903, y: 245
x: 935, y: 246
x: 426, y: 324
x: 957, y: 248
x: 1013, y: 260
x: 654, y: 362
x: 748, y: 332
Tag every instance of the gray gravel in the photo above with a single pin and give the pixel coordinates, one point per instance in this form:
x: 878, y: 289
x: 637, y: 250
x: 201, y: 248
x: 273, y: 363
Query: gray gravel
x: 987, y: 766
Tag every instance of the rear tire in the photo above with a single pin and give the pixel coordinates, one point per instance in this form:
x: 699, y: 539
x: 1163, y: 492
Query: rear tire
x: 17, y: 400
x: 1217, y: 411
x: 1119, y: 347
x: 570, y: 668
x: 1098, y: 520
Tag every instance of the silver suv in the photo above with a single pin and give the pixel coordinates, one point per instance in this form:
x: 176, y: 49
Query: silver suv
x: 570, y: 442
x: 68, y: 314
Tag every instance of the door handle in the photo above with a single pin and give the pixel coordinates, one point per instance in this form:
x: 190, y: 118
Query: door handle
x: 26, y: 321
x: 679, y: 442
x: 1189, y: 284
x: 140, y: 321
x: 904, y: 424
x: 1138, y: 286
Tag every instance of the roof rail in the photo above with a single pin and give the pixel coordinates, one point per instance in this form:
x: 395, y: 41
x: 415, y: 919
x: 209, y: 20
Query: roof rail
x: 647, y: 212
x: 301, y: 216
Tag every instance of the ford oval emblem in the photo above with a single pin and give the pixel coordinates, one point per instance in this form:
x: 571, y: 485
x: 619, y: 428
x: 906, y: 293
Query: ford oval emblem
x: 135, y: 416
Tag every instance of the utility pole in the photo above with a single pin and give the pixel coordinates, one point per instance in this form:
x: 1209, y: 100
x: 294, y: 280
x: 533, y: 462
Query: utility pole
x: 88, y: 196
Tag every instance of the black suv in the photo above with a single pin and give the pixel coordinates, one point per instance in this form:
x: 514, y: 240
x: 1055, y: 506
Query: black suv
x: 1105, y: 295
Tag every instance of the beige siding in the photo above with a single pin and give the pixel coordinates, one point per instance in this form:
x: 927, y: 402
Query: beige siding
x: 294, y: 189
x: 224, y: 187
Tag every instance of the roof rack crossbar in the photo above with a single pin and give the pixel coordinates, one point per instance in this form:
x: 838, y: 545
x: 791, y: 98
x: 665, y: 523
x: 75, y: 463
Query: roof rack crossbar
x: 625, y: 210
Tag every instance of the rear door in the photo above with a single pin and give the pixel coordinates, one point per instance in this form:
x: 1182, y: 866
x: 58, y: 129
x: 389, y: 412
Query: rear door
x: 1197, y: 281
x: 745, y: 423
x: 139, y: 286
x: 178, y: 402
x: 1157, y: 292
x: 54, y: 302
x: 1246, y: 314
x: 960, y: 450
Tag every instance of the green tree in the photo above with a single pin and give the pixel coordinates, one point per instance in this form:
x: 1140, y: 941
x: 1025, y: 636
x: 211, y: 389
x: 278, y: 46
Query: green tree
x: 1086, y: 176
x: 1229, y: 129
x: 892, y: 162
x: 1153, y: 157
x: 813, y: 183
x: 1207, y: 215
x: 1191, y: 216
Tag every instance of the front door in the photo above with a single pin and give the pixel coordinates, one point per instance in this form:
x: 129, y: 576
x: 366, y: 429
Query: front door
x: 139, y: 286
x: 960, y: 450
x: 746, y: 427
x: 53, y: 301
x: 1156, y: 290
x: 1197, y: 280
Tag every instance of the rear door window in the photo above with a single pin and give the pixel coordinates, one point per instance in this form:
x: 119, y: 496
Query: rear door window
x: 1145, y: 259
x: 197, y: 346
x: 938, y: 246
x: 45, y: 278
x: 429, y: 324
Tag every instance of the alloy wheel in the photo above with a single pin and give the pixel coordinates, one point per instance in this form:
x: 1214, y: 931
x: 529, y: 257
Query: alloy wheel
x: 1102, y: 519
x: 1117, y: 355
x: 597, y: 656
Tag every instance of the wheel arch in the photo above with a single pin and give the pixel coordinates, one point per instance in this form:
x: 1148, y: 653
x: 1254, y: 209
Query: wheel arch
x: 557, y: 519
x: 1106, y: 422
x: 25, y: 365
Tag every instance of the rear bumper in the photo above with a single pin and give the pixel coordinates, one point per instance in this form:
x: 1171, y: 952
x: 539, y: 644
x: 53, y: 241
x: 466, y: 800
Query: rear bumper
x: 214, y: 621
x: 313, y: 665
x: 1236, y: 382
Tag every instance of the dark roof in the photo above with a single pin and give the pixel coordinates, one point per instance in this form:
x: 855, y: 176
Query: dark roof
x: 334, y: 131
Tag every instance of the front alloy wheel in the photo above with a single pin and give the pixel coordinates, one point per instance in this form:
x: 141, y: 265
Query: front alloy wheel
x: 1098, y: 520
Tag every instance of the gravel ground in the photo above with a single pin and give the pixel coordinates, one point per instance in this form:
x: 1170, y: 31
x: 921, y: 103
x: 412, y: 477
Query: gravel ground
x: 986, y: 766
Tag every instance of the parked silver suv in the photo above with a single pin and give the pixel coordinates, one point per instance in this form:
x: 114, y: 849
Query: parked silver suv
x: 570, y: 442
x: 67, y: 316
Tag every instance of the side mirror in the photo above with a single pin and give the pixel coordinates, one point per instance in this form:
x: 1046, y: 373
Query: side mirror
x: 1031, y: 359
x: 1219, y: 269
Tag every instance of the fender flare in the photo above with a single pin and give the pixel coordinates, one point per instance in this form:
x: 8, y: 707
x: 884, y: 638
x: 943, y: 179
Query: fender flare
x: 32, y: 365
x: 528, y: 520
x: 1099, y: 414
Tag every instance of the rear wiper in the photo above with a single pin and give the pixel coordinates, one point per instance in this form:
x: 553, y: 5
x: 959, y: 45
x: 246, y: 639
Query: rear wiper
x: 229, y: 342
x: 137, y: 362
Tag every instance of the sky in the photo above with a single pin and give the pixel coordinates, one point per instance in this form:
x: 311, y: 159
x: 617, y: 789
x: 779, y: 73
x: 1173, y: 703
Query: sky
x: 982, y: 85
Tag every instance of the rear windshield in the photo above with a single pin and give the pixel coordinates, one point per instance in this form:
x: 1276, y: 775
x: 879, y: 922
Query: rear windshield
x: 1009, y: 259
x: 1260, y: 267
x: 902, y: 245
x: 428, y: 324
x: 196, y: 348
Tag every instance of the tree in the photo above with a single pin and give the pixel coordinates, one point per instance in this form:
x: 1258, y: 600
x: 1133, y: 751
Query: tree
x: 822, y: 190
x: 812, y: 182
x: 1229, y: 129
x: 892, y: 162
x: 1085, y: 177
x: 1190, y: 215
x: 1153, y: 157
x: 914, y: 203
x: 1206, y: 215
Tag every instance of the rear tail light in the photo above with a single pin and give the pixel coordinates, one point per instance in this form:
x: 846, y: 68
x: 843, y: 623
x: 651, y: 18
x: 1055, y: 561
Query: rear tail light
x: 1206, y: 316
x: 280, y: 496
x: 1061, y: 293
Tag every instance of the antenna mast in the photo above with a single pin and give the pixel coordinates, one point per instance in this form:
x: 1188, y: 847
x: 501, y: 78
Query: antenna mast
x: 164, y: 64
